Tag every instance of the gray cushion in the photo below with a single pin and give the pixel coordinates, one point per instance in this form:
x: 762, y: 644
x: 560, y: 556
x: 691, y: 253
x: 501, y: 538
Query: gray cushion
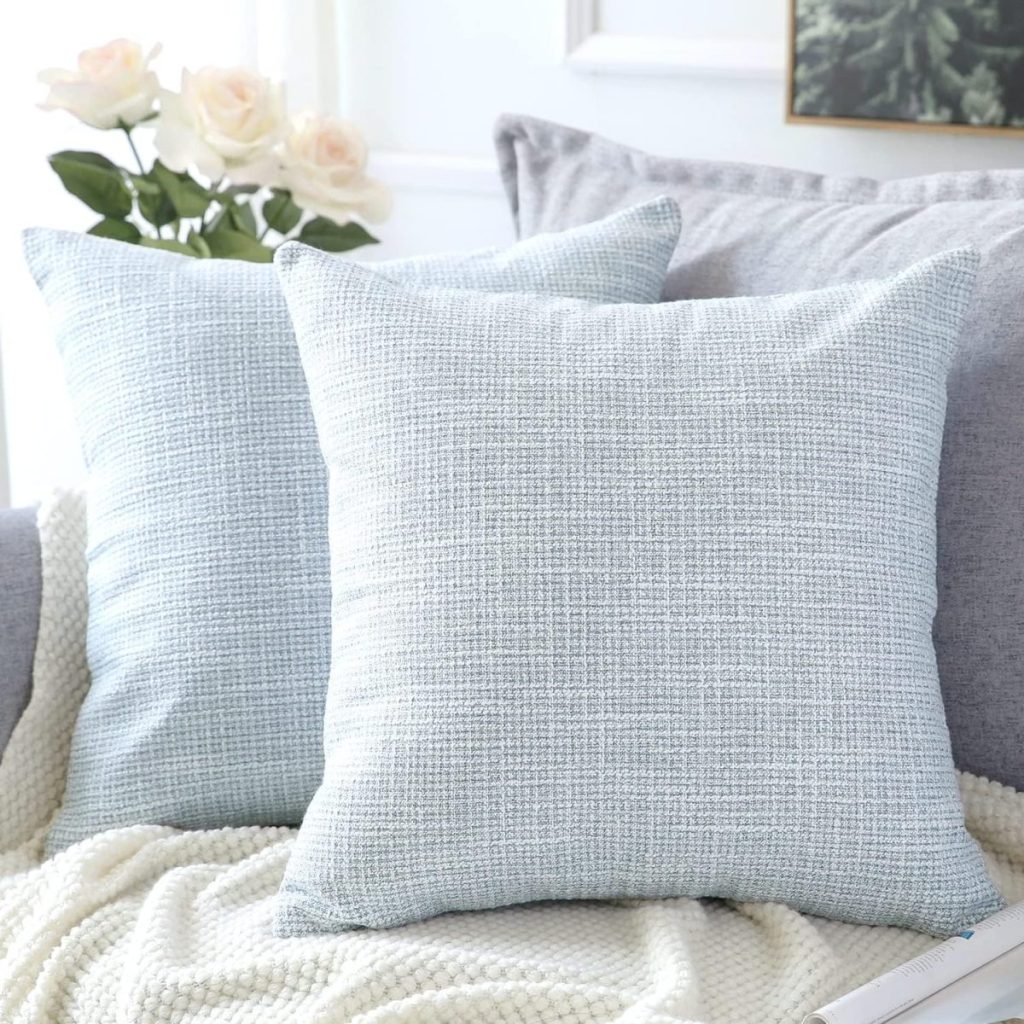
x: 209, y: 589
x: 756, y: 230
x: 20, y: 588
x: 631, y: 601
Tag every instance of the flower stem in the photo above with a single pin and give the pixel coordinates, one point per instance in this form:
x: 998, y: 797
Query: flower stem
x: 215, y: 189
x: 131, y: 145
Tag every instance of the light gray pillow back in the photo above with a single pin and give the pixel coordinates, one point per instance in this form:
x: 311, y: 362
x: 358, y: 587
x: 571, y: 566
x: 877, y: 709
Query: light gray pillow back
x: 750, y: 230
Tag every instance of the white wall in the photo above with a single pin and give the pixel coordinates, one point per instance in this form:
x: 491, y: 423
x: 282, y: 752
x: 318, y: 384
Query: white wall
x: 426, y: 80
x: 429, y: 78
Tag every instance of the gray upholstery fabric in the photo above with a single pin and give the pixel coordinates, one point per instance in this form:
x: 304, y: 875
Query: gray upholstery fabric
x: 20, y: 587
x: 631, y: 601
x: 751, y: 230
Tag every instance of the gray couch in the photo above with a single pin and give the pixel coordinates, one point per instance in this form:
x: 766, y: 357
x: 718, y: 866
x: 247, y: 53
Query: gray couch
x: 20, y: 588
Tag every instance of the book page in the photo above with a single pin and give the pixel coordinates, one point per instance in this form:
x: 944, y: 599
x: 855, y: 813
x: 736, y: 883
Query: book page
x: 992, y: 993
x: 911, y: 983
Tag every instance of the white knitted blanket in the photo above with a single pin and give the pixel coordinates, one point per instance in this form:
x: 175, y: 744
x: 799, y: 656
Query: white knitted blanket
x: 148, y: 924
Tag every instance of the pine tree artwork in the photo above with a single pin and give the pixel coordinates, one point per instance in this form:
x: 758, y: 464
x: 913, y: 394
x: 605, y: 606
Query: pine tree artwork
x: 938, y: 62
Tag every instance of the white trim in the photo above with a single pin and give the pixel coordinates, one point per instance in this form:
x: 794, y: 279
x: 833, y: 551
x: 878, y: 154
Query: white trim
x: 605, y: 53
x: 441, y: 172
x: 297, y: 43
x: 326, y: 25
x: 590, y: 50
x: 581, y: 22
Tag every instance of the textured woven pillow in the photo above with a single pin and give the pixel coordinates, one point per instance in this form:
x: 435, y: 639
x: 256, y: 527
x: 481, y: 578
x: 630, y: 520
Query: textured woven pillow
x: 209, y: 589
x: 631, y: 601
x: 761, y: 230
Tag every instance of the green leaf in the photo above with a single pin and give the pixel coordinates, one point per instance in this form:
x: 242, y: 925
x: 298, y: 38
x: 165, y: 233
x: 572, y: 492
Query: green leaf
x: 168, y: 244
x: 243, y: 218
x: 186, y: 195
x: 110, y: 227
x: 238, y: 190
x: 228, y: 244
x: 280, y: 211
x: 322, y: 233
x: 157, y: 207
x: 144, y: 185
x: 198, y: 244
x: 95, y: 180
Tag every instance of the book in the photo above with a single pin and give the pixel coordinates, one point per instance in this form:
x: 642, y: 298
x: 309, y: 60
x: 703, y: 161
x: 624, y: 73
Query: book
x: 976, y: 977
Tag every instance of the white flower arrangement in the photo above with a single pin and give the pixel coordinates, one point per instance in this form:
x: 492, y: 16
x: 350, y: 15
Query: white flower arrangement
x: 235, y: 176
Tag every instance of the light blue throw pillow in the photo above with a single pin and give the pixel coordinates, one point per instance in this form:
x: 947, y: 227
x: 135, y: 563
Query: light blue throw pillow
x: 632, y: 601
x: 209, y: 587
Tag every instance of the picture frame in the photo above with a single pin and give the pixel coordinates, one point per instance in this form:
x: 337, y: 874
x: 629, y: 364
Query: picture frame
x: 839, y: 95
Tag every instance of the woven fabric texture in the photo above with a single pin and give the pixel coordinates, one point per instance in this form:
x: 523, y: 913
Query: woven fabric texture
x: 209, y: 582
x: 631, y: 601
x: 751, y: 230
x: 152, y: 926
x: 34, y: 766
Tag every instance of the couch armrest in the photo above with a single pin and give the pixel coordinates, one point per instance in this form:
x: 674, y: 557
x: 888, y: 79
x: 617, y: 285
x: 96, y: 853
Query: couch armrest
x: 20, y: 587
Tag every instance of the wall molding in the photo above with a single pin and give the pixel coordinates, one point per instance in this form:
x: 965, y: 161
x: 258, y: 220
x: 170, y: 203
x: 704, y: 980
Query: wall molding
x: 436, y: 172
x: 589, y: 50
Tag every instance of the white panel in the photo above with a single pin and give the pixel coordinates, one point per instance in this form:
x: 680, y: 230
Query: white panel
x: 431, y: 78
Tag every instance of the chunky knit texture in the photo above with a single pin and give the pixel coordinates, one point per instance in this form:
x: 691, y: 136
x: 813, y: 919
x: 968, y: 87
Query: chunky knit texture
x: 209, y: 589
x: 34, y: 765
x: 151, y: 926
x: 632, y: 601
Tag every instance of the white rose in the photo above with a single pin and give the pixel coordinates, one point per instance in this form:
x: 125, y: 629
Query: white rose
x: 112, y: 86
x: 224, y: 121
x: 324, y: 168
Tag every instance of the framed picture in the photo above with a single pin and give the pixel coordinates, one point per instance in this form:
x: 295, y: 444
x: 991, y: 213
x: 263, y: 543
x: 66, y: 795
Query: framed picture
x: 939, y: 65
